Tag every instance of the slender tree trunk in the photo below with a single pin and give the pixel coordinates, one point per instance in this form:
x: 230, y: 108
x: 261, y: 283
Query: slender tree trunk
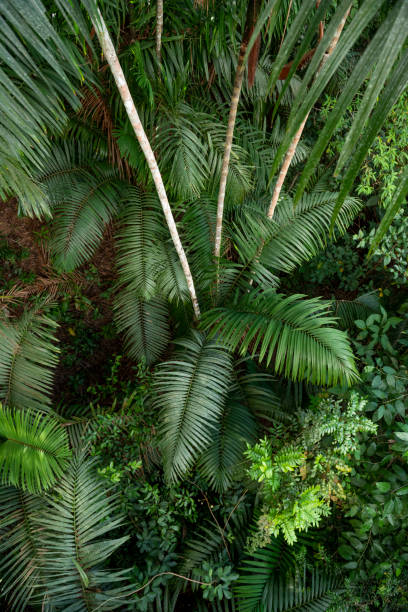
x: 113, y: 61
x: 159, y: 30
x: 293, y: 145
x: 236, y: 93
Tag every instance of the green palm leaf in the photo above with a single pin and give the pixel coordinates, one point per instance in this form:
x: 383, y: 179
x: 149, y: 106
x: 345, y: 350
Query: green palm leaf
x: 144, y: 323
x: 74, y: 534
x: 192, y: 391
x: 293, y: 335
x: 235, y: 427
x: 20, y: 550
x: 28, y: 357
x: 271, y: 581
x: 139, y: 242
x: 33, y: 449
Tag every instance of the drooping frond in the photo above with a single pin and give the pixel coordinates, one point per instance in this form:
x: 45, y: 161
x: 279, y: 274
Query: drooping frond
x: 83, y: 196
x: 192, y: 391
x: 182, y: 150
x: 33, y: 449
x: 38, y: 71
x: 235, y: 427
x: 171, y: 282
x: 139, y: 242
x: 20, y: 554
x: 28, y: 357
x: 144, y: 323
x: 294, y: 235
x: 294, y: 335
x: 75, y: 537
x: 271, y: 582
x: 349, y: 310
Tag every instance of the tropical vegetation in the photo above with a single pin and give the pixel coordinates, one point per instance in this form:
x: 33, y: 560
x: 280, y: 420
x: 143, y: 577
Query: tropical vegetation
x: 203, y: 305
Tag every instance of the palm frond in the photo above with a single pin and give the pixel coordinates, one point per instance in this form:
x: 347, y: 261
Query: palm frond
x: 192, y: 391
x: 294, y: 235
x: 82, y: 201
x: 34, y: 449
x: 182, y: 150
x: 272, y: 581
x: 139, y: 243
x: 144, y: 323
x: 219, y: 461
x: 20, y: 550
x: 73, y: 538
x: 28, y: 357
x: 294, y: 335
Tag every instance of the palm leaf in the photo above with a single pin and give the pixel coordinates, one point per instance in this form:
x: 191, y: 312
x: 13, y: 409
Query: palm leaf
x: 294, y: 335
x: 20, y: 551
x: 33, y: 449
x: 73, y: 537
x: 139, y: 242
x: 28, y: 357
x: 192, y: 391
x: 234, y: 429
x: 271, y: 581
x: 144, y: 323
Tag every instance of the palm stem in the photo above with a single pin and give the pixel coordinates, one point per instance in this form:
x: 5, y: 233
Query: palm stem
x: 116, y: 69
x: 159, y: 30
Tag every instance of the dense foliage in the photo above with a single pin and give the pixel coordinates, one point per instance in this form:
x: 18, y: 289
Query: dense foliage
x: 204, y: 361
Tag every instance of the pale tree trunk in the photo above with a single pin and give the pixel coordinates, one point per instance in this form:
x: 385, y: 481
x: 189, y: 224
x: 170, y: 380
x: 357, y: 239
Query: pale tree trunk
x: 116, y: 69
x: 292, y: 148
x: 159, y: 29
x: 236, y: 92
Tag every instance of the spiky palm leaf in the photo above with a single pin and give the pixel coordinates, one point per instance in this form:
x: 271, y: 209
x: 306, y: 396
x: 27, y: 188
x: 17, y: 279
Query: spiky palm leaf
x: 235, y: 427
x: 294, y: 235
x: 20, y: 551
x: 28, y: 357
x: 37, y: 72
x: 144, y: 323
x: 271, y: 581
x: 83, y: 195
x: 192, y: 391
x: 33, y: 449
x: 139, y: 242
x: 294, y: 335
x: 73, y: 538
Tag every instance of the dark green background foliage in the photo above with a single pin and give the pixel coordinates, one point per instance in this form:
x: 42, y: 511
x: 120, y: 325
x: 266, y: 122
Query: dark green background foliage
x: 253, y: 458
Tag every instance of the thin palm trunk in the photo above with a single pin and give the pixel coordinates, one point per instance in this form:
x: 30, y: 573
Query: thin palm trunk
x: 116, y: 69
x: 293, y: 145
x: 159, y: 30
x: 236, y: 93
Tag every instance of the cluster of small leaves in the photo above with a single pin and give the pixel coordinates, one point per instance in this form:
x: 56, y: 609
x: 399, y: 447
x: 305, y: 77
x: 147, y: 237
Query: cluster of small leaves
x: 301, y: 478
x: 373, y: 540
x: 387, y: 156
x: 392, y: 252
x: 340, y: 263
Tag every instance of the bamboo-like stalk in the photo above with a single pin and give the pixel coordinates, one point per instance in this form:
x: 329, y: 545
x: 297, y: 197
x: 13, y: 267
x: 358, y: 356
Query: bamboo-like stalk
x: 236, y: 93
x: 159, y: 29
x: 293, y: 145
x: 116, y: 69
